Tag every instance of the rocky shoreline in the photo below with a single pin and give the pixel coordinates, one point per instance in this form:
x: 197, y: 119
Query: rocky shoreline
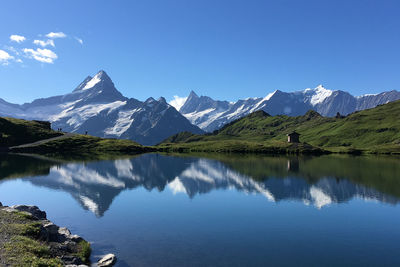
x: 27, y: 237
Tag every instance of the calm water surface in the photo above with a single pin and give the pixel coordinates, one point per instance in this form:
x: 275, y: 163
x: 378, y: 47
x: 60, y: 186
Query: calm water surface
x: 157, y: 210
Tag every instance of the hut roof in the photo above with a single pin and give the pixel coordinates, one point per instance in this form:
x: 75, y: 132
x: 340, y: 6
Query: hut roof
x: 293, y: 133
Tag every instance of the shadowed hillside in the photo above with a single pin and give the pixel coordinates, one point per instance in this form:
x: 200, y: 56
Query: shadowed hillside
x: 17, y: 132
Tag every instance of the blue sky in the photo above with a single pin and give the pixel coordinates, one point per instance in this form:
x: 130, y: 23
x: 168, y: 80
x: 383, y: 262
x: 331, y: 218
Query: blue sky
x: 226, y: 49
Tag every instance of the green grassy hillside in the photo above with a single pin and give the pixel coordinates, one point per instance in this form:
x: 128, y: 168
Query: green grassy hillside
x: 84, y: 145
x: 375, y: 130
x: 23, y: 136
x: 17, y: 132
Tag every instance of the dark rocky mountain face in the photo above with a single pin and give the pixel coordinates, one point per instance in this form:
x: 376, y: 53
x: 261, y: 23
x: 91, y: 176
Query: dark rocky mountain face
x: 286, y: 103
x: 339, y: 101
x: 156, y: 119
x: 98, y: 108
x: 370, y: 101
x: 210, y: 114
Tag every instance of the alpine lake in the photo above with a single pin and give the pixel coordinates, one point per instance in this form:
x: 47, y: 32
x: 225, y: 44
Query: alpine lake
x: 219, y: 210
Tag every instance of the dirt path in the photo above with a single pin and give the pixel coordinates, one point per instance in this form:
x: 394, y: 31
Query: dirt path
x: 65, y: 135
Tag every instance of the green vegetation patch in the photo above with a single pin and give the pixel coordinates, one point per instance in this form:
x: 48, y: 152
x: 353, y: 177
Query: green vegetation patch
x: 18, y: 241
x: 84, y: 251
x: 24, y: 251
x: 375, y: 130
x: 86, y: 145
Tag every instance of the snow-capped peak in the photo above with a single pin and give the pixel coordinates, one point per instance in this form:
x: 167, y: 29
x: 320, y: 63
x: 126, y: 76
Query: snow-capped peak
x: 90, y: 82
x: 365, y: 95
x: 95, y: 80
x: 268, y: 97
x: 318, y: 94
x: 262, y: 103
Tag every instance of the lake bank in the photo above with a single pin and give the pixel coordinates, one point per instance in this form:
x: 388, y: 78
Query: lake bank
x: 28, y: 238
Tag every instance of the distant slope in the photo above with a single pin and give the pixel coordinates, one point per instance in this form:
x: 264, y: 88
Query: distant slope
x: 372, y: 130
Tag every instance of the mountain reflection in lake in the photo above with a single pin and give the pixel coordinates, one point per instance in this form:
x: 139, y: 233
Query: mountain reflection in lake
x: 309, y: 181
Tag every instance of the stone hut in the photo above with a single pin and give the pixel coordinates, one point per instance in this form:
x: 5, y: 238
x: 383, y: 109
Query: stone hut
x: 293, y: 137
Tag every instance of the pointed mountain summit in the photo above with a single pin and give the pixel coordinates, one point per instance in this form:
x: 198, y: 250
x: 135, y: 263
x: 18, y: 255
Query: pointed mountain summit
x: 162, y: 100
x: 99, y: 88
x: 193, y: 94
x: 195, y: 103
x: 90, y: 82
x: 83, y: 84
x: 317, y: 95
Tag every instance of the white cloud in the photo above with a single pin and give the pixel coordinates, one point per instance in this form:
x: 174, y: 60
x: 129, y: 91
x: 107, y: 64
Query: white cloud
x: 5, y: 57
x: 79, y: 40
x: 54, y: 35
x: 44, y: 43
x: 12, y: 49
x: 178, y: 102
x: 42, y: 55
x: 17, y: 38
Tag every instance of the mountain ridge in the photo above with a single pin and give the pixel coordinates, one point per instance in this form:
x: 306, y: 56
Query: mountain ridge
x: 210, y: 114
x: 96, y: 107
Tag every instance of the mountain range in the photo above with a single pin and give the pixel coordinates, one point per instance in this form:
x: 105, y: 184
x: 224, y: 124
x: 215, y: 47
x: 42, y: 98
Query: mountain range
x: 210, y: 114
x: 96, y: 107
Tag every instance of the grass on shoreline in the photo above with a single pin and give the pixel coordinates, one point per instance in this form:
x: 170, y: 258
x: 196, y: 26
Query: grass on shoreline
x: 19, y: 245
x: 242, y: 146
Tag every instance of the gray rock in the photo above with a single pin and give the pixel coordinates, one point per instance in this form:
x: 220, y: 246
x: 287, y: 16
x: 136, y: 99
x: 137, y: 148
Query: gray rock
x: 35, y: 211
x: 71, y: 260
x: 76, y: 238
x: 63, y: 235
x: 68, y: 245
x: 51, y: 228
x: 64, y: 231
x: 74, y: 265
x: 51, y: 231
x: 107, y: 260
